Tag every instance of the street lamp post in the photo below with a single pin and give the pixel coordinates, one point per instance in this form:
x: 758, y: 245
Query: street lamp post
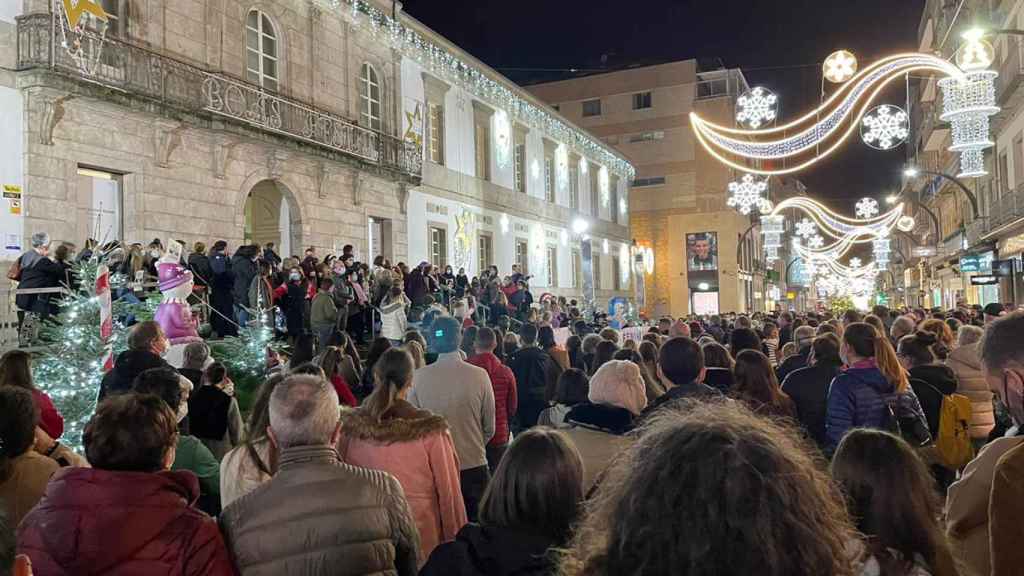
x: 913, y: 172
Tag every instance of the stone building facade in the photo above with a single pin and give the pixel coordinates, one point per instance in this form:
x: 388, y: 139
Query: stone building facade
x: 291, y: 121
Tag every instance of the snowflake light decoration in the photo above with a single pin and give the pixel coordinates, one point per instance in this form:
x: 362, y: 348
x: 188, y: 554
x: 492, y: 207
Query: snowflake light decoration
x: 855, y: 262
x: 840, y: 66
x: 757, y: 107
x: 867, y: 208
x: 806, y: 228
x: 884, y: 127
x: 816, y: 241
x: 746, y: 193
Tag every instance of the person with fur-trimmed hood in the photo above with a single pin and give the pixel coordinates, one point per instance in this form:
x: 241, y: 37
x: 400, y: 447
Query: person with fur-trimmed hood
x: 388, y: 433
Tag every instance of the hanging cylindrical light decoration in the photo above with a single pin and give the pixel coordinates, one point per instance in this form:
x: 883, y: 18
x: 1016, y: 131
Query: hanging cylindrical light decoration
x: 968, y: 102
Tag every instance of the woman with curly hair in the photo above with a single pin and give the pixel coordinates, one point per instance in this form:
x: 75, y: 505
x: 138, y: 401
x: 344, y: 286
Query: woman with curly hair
x: 737, y: 494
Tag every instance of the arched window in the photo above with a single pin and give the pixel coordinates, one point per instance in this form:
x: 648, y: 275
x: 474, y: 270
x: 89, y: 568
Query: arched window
x: 369, y: 97
x: 261, y: 50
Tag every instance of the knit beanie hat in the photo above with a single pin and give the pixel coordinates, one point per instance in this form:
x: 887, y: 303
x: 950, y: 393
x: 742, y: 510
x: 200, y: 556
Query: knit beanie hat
x: 618, y: 383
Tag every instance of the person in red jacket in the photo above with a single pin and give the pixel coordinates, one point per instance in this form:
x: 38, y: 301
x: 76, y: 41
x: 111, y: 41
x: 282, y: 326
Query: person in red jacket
x: 128, y: 514
x: 505, y: 399
x: 16, y: 370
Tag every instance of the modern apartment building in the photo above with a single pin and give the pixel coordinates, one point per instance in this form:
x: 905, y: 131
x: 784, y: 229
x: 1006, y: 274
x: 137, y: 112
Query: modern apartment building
x: 307, y: 123
x: 707, y: 255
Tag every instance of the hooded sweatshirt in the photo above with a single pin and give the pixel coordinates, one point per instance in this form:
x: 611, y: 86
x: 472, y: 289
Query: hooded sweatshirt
x: 102, y: 522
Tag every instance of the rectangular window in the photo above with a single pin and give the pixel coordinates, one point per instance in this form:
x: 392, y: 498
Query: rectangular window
x: 616, y: 278
x: 485, y: 252
x: 614, y: 201
x: 577, y: 268
x: 552, y: 267
x: 520, y: 167
x: 438, y: 246
x: 592, y: 107
x: 595, y: 193
x: 641, y: 100
x: 1004, y: 173
x: 655, y: 181
x: 549, y: 178
x: 574, y: 186
x: 436, y: 133
x: 522, y: 255
x: 483, y: 149
x: 596, y: 266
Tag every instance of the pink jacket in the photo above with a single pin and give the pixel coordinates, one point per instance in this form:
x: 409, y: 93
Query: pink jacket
x: 415, y: 447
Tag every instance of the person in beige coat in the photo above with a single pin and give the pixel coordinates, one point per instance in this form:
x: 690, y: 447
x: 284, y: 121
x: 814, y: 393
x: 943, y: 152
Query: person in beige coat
x: 965, y: 362
x: 601, y: 427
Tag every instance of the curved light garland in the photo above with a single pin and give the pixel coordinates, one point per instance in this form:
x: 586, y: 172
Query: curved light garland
x: 820, y: 131
x: 837, y: 226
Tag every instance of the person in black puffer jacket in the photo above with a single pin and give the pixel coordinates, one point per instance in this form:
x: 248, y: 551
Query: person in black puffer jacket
x: 530, y: 366
x: 243, y: 270
x: 808, y: 386
x: 529, y: 508
x: 930, y: 380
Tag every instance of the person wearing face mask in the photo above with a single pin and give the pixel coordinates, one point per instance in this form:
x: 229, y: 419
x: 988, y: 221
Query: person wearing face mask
x: 292, y: 296
x: 146, y: 346
x: 189, y: 453
x: 985, y: 507
x: 130, y: 511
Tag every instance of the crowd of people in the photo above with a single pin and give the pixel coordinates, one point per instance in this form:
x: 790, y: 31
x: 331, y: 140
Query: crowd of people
x: 481, y: 434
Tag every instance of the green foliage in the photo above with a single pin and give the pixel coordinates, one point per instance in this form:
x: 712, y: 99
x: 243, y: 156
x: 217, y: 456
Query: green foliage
x: 840, y: 305
x: 245, y: 357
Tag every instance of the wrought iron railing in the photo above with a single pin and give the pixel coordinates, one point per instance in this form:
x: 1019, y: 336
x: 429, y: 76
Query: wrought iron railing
x: 43, y: 43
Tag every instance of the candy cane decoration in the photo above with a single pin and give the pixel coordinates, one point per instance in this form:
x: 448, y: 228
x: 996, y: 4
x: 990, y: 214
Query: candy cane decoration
x: 106, y: 317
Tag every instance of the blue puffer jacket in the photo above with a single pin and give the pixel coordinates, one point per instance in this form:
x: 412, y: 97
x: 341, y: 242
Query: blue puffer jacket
x: 857, y: 398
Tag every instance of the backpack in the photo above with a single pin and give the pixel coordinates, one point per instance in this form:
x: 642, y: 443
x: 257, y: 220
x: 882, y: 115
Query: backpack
x: 953, y: 443
x: 904, y: 422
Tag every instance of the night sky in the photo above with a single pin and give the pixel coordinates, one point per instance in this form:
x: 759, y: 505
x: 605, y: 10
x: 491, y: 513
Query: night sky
x: 779, y: 44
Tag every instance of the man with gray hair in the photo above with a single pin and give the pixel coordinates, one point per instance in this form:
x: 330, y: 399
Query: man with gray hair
x: 36, y: 270
x: 461, y: 393
x: 985, y: 507
x: 318, y: 515
x: 901, y: 327
x: 803, y: 336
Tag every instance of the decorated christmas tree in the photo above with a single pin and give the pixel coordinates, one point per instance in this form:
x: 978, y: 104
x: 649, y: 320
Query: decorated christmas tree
x: 70, y: 367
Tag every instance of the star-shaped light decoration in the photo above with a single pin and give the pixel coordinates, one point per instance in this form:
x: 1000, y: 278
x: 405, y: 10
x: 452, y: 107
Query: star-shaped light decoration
x: 747, y: 193
x: 855, y: 262
x: 885, y: 127
x: 757, y: 107
x: 840, y: 66
x: 867, y: 208
x: 816, y: 241
x: 806, y: 228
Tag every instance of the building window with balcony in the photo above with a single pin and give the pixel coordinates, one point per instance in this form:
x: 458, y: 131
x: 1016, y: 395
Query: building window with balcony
x: 577, y: 268
x: 613, y: 188
x: 592, y: 107
x: 261, y: 50
x: 485, y: 252
x: 642, y: 100
x: 616, y: 277
x: 1004, y: 173
x: 574, y: 184
x: 369, y: 97
x: 435, y: 132
x: 438, y: 246
x: 522, y: 256
x: 520, y: 167
x: 552, y: 266
x: 483, y: 150
x: 117, y: 18
x: 595, y: 192
x: 549, y: 177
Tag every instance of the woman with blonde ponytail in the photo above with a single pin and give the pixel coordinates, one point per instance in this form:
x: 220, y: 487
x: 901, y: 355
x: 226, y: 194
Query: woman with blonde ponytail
x: 872, y: 390
x: 388, y: 433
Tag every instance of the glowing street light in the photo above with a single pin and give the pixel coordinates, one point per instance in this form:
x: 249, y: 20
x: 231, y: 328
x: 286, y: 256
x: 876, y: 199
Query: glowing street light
x: 911, y: 172
x: 892, y: 199
x: 579, y: 226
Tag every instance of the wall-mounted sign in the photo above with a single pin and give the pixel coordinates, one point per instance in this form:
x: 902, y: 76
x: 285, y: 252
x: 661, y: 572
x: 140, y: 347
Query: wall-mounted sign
x: 970, y: 263
x: 984, y: 280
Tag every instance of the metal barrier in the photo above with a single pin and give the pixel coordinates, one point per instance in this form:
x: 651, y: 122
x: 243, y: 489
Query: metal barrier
x: 9, y: 321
